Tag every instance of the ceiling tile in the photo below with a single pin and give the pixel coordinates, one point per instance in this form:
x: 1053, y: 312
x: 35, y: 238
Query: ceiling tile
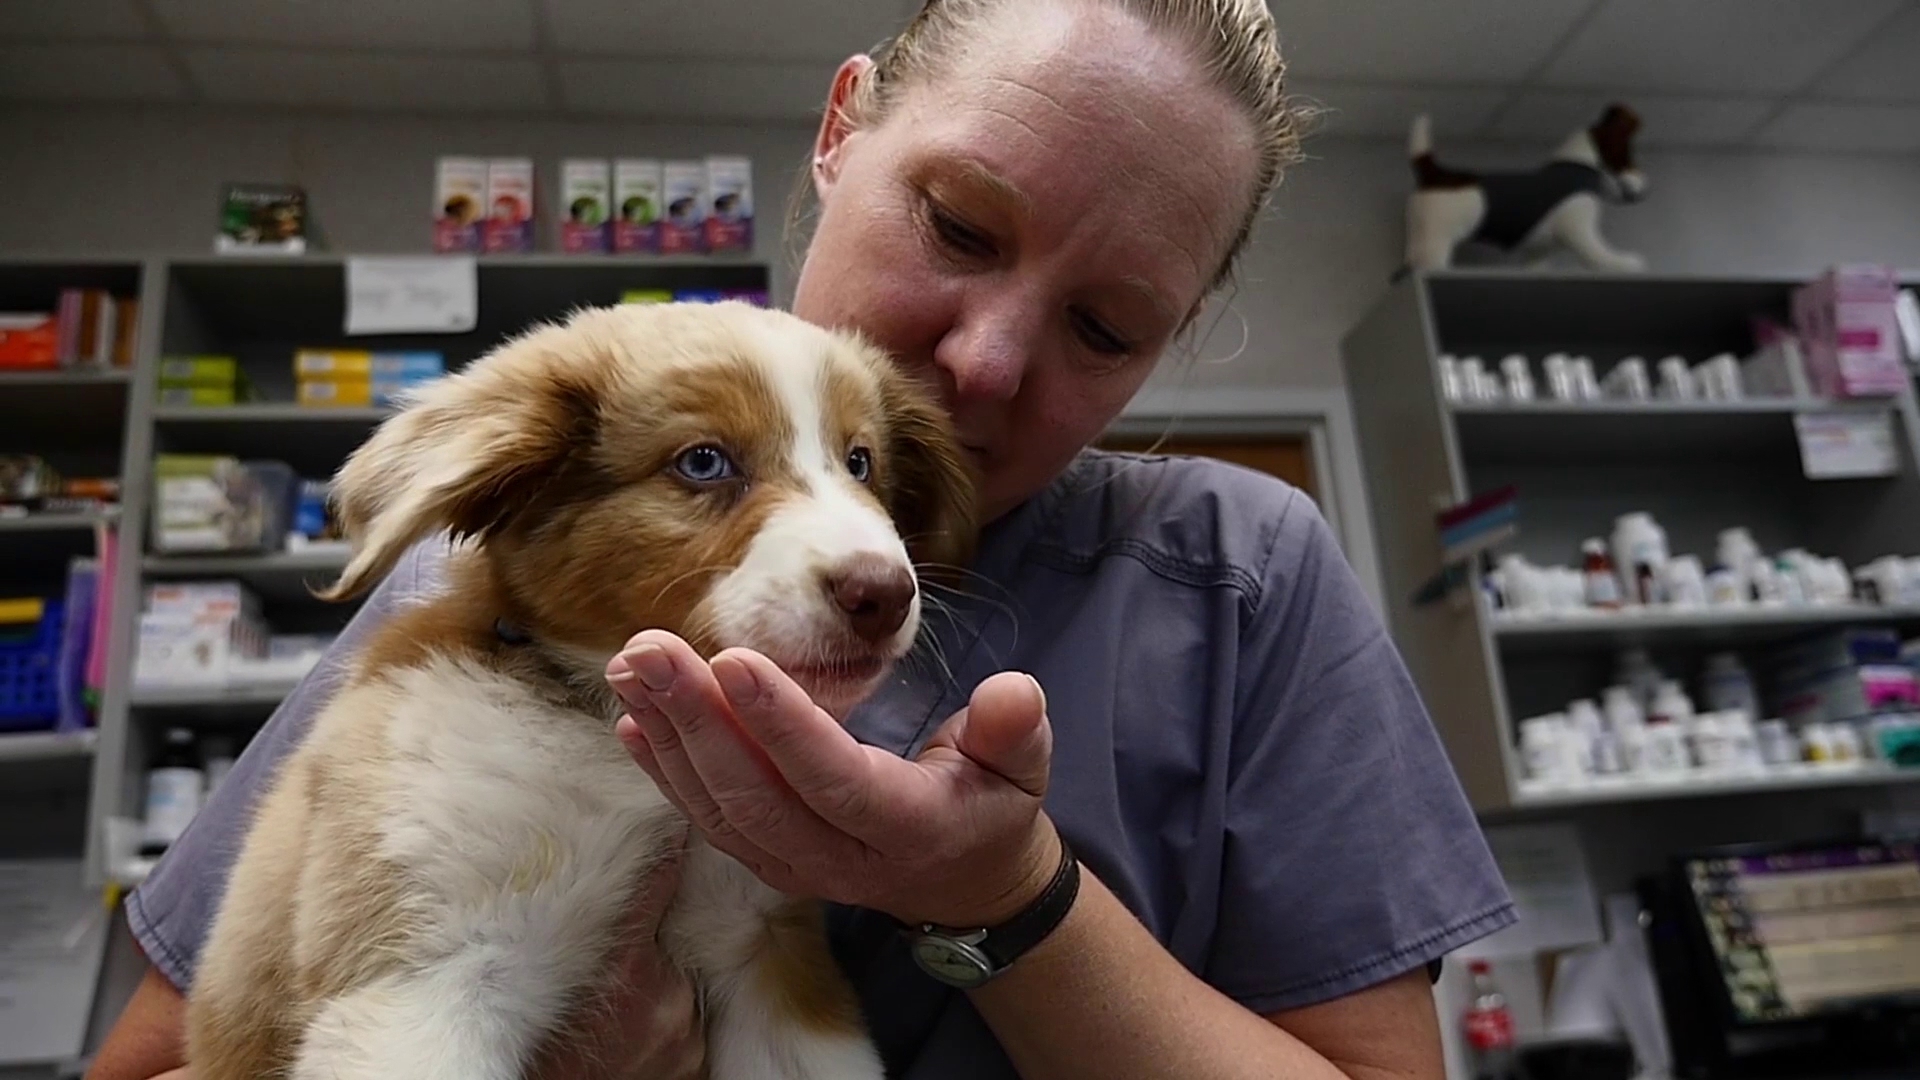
x: 1757, y: 47
x: 1886, y: 69
x: 345, y: 80
x: 70, y: 19
x: 1458, y: 41
x: 1667, y: 121
x: 394, y: 24
x: 1360, y: 109
x: 1845, y: 128
x: 829, y: 30
x: 691, y: 91
x: 87, y: 73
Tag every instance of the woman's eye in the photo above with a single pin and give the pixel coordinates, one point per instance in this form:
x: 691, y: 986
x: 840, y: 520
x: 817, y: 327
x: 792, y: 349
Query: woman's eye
x: 860, y: 464
x: 958, y: 234
x: 705, y: 465
x: 1097, y: 336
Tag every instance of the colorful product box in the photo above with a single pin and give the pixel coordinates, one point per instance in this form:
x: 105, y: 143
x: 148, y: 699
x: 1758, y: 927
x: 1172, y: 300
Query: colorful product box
x: 202, y: 396
x: 684, y: 193
x: 459, y: 204
x: 729, y: 204
x: 1848, y: 321
x: 586, y: 198
x: 348, y: 393
x: 29, y: 340
x: 509, y: 224
x: 638, y: 187
x: 362, y: 365
x: 200, y: 371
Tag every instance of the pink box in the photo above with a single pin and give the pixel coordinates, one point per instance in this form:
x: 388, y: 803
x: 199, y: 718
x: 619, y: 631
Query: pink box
x: 509, y: 224
x: 1848, y: 324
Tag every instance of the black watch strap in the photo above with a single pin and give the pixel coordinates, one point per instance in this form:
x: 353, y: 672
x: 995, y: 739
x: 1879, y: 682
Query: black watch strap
x: 968, y: 957
x: 1011, y: 939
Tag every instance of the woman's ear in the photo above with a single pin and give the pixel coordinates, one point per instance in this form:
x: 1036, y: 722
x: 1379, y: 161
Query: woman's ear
x: 470, y: 453
x: 836, y: 124
x: 932, y: 495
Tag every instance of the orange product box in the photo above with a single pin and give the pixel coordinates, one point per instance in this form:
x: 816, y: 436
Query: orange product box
x: 29, y: 340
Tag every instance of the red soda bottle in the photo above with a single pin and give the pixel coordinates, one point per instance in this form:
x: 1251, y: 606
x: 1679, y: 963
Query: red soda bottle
x: 1489, y: 1025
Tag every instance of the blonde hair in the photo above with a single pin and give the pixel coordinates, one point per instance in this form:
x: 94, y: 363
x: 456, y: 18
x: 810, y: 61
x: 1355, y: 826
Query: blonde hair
x: 1234, y: 41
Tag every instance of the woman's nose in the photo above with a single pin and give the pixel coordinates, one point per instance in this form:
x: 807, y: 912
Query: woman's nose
x: 985, y: 358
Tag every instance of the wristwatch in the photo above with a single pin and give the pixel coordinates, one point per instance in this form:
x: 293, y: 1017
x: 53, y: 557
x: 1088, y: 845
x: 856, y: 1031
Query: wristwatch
x: 968, y: 958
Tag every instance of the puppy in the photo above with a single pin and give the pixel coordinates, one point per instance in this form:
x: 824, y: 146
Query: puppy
x: 436, y: 876
x: 1526, y: 211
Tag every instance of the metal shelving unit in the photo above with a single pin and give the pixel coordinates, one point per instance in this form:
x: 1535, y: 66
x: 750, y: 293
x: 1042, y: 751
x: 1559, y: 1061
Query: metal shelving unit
x: 1697, y: 467
x: 78, y: 421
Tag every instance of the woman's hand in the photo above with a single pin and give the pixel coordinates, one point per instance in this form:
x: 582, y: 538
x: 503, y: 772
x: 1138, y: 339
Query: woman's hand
x: 954, y: 837
x: 643, y: 1023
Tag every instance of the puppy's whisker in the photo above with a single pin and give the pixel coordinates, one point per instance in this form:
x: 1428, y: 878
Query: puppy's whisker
x: 714, y: 568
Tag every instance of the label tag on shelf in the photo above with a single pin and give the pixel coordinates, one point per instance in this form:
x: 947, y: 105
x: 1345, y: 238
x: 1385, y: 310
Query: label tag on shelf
x: 1546, y: 872
x: 1840, y: 445
x: 428, y: 294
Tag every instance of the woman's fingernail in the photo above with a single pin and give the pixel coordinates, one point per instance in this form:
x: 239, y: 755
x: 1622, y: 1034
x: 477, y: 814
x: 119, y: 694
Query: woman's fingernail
x: 1038, y: 689
x: 737, y: 682
x: 619, y: 671
x: 652, y: 665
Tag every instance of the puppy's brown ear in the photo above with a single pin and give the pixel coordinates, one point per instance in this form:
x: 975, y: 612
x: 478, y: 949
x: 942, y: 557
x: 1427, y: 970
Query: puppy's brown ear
x: 471, y: 452
x: 932, y: 496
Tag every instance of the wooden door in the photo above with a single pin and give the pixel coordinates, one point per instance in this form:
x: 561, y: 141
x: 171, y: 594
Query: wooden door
x: 1289, y: 457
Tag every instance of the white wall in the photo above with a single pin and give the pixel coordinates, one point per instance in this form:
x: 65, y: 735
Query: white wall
x: 147, y: 180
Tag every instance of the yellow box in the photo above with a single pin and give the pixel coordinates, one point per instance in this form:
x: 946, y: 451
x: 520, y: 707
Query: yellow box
x: 27, y: 609
x: 197, y: 395
x: 199, y: 371
x: 342, y: 392
x: 348, y: 364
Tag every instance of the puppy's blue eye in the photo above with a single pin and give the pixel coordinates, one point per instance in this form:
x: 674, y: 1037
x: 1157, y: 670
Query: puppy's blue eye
x: 860, y: 463
x: 705, y: 465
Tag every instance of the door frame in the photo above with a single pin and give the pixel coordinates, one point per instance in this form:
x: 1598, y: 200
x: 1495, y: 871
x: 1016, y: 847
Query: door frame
x: 1321, y: 414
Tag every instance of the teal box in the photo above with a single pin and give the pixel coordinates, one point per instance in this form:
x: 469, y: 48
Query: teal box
x: 408, y: 367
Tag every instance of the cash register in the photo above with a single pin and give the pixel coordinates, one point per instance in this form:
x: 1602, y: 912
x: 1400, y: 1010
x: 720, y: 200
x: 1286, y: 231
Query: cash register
x: 1789, y: 961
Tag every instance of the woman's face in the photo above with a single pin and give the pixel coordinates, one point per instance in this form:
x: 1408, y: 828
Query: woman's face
x: 1032, y: 230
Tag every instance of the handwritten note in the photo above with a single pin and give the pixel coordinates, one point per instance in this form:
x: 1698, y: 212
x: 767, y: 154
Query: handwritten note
x: 432, y: 294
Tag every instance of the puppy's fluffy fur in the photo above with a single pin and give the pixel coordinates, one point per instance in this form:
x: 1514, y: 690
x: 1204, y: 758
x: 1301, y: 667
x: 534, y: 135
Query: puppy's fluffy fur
x: 435, y: 879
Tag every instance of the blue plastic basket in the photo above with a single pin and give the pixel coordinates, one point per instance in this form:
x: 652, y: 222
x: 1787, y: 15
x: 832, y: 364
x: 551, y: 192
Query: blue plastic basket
x: 30, y: 674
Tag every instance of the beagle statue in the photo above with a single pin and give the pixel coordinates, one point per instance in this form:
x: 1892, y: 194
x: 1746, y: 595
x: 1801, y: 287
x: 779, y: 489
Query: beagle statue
x: 1527, y: 212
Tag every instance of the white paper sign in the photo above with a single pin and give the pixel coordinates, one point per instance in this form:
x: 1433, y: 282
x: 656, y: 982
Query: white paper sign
x: 430, y: 294
x: 1837, y: 445
x: 1546, y: 873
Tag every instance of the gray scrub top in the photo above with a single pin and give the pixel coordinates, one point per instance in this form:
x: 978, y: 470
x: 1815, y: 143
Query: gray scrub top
x: 1240, y: 754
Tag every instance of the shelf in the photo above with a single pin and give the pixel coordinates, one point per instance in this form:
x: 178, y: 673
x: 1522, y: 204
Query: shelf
x: 1603, y: 791
x: 1710, y: 626
x: 47, y: 745
x: 211, y: 697
x: 277, y: 562
x: 58, y: 522
x: 303, y: 298
x: 111, y: 376
x: 270, y: 412
x: 285, y: 576
x: 1615, y: 433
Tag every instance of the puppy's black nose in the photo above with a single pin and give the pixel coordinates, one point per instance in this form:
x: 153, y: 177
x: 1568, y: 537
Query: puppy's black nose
x: 874, y: 591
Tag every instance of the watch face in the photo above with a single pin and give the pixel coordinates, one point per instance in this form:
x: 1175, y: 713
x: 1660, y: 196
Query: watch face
x: 952, y: 962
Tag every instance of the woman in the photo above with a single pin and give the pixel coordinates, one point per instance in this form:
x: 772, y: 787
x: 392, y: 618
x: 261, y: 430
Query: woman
x: 1031, y: 199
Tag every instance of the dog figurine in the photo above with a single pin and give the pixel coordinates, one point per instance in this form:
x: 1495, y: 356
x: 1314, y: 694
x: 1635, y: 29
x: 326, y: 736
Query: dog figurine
x: 436, y: 878
x: 1527, y: 211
